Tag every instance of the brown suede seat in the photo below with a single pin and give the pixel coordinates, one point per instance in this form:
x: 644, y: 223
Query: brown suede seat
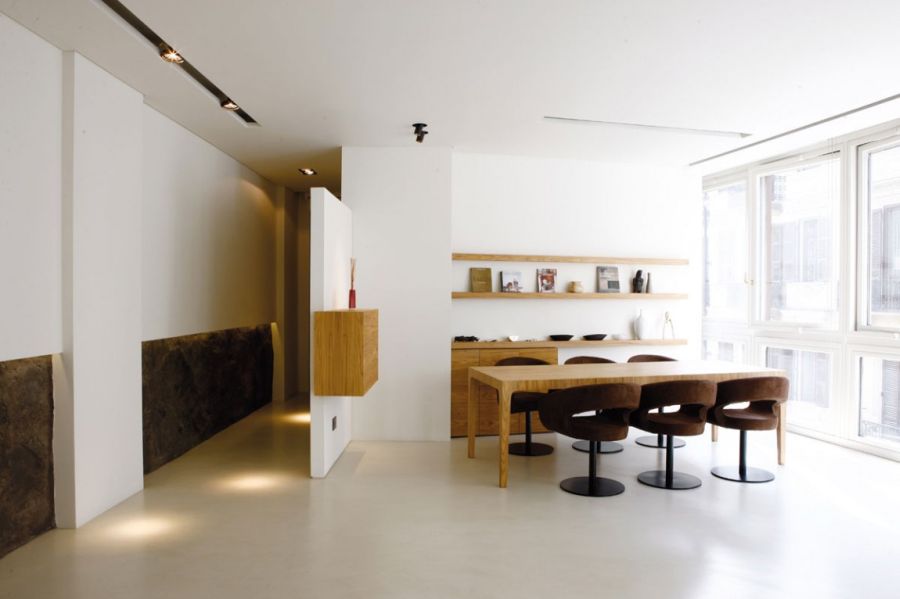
x: 526, y: 402
x: 657, y: 442
x: 562, y: 411
x: 589, y: 360
x: 650, y: 358
x: 693, y: 399
x: 764, y: 394
x: 602, y: 446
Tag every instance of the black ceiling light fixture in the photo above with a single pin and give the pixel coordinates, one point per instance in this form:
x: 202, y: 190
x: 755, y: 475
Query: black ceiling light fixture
x: 419, y: 131
x: 307, y: 171
x: 168, y: 53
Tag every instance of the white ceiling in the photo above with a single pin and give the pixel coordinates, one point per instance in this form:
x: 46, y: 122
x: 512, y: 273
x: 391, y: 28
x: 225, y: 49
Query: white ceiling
x: 319, y: 74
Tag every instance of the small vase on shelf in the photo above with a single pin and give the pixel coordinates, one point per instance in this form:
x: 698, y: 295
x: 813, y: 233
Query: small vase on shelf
x: 351, y: 302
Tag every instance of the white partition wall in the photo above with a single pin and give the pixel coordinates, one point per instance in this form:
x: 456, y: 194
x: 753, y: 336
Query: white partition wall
x: 98, y: 447
x: 30, y: 154
x: 330, y: 250
x: 401, y: 210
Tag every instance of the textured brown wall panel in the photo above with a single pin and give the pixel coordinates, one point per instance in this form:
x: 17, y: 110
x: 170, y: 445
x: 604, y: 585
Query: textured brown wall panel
x: 198, y: 385
x: 26, y: 451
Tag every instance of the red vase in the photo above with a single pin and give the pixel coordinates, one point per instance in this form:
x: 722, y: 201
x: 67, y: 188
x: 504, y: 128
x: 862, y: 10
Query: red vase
x: 352, y: 301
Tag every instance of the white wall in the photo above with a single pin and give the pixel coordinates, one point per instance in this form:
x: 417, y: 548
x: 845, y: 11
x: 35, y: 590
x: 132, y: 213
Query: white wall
x: 518, y: 205
x: 400, y: 199
x: 30, y: 155
x: 330, y: 250
x: 98, y: 450
x: 208, y: 259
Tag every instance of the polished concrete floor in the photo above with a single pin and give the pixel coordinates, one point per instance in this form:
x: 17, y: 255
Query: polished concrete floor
x: 239, y: 517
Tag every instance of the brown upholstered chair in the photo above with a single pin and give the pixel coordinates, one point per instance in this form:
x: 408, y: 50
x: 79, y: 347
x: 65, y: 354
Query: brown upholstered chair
x: 526, y: 402
x: 657, y: 442
x: 694, y: 398
x: 561, y: 412
x: 764, y: 395
x: 603, y: 446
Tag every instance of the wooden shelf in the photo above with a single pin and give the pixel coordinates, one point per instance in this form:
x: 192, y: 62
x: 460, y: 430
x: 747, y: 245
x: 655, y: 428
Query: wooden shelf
x: 578, y: 259
x: 564, y: 296
x: 345, y: 352
x: 561, y: 344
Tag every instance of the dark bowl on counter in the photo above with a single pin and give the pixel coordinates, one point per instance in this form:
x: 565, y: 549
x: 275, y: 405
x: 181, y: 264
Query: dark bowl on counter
x: 561, y: 337
x: 595, y: 337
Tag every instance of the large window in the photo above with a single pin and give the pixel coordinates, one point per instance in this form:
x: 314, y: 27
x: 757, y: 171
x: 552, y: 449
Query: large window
x: 880, y: 233
x: 725, y: 252
x: 879, y: 398
x: 801, y: 208
x: 810, y: 393
x: 818, y: 233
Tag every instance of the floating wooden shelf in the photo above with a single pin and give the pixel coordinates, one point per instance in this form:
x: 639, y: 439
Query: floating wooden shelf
x: 564, y: 296
x: 561, y: 344
x: 345, y: 352
x: 579, y: 259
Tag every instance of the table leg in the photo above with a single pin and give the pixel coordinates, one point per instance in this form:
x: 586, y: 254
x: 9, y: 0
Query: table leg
x: 781, y: 432
x: 472, y: 420
x: 715, y: 433
x: 505, y: 396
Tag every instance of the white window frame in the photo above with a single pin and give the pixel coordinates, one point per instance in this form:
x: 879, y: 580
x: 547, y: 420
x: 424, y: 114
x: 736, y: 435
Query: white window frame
x: 863, y: 263
x: 760, y: 248
x: 711, y: 184
x: 874, y: 445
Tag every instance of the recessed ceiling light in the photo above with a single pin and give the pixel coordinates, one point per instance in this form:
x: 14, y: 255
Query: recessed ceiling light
x: 170, y: 55
x: 229, y: 104
x: 307, y: 171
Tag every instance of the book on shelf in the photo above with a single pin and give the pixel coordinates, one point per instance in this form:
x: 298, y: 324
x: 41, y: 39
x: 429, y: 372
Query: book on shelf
x: 608, y: 279
x: 546, y: 280
x: 480, y: 280
x: 510, y: 281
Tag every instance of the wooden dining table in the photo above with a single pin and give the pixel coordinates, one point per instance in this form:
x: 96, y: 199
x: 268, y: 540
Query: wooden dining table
x: 509, y: 379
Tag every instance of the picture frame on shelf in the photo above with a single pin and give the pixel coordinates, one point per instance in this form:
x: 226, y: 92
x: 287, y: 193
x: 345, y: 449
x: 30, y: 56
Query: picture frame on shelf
x: 546, y: 280
x: 510, y: 281
x: 608, y: 279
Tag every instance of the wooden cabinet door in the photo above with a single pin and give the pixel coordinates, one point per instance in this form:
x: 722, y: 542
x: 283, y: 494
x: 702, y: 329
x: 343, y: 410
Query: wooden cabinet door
x: 460, y: 361
x: 488, y: 417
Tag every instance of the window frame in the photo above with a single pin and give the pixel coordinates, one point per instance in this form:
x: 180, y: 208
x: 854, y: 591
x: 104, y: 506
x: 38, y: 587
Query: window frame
x: 714, y: 183
x: 862, y: 151
x: 761, y: 249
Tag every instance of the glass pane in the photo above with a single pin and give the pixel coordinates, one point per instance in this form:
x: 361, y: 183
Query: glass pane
x: 879, y: 399
x: 810, y: 376
x: 883, y: 188
x: 725, y: 252
x: 723, y: 350
x: 801, y: 207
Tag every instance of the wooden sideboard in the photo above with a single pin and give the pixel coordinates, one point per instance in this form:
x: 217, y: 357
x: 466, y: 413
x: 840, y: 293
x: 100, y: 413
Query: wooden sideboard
x: 460, y: 362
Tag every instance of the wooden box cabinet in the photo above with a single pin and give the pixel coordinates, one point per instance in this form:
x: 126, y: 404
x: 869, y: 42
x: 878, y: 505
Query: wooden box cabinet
x: 460, y: 361
x: 346, y: 352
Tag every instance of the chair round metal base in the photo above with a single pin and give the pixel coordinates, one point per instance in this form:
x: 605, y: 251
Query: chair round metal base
x: 751, y: 475
x: 603, y: 487
x: 680, y: 480
x: 605, y: 446
x: 652, y: 441
x: 537, y: 449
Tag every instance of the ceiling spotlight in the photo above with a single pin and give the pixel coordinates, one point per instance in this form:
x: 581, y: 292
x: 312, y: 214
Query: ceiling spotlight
x: 419, y: 131
x: 170, y: 55
x: 228, y: 104
x: 307, y: 171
